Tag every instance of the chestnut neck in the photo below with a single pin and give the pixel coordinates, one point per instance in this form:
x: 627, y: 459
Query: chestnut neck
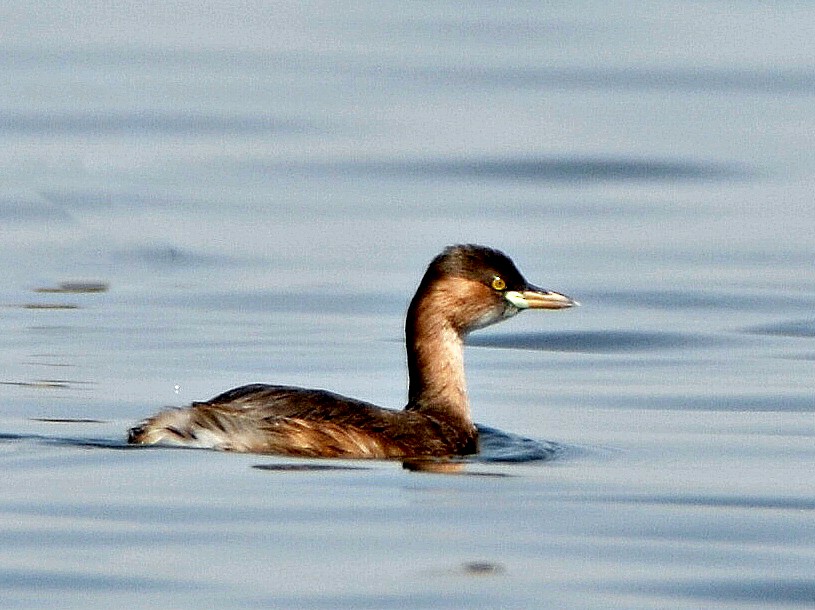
x: 435, y: 354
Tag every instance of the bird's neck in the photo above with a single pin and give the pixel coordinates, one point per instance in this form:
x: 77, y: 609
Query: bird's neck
x: 435, y: 354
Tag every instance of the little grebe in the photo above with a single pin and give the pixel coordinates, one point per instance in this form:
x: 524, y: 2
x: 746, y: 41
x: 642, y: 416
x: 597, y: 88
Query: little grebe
x: 466, y: 287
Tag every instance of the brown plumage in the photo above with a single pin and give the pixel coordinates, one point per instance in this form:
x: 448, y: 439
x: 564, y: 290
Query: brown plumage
x: 465, y: 287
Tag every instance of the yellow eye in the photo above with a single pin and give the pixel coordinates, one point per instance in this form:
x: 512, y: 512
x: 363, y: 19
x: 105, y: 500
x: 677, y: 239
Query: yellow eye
x: 498, y: 283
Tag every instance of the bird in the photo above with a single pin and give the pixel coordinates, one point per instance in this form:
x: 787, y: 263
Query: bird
x: 466, y: 287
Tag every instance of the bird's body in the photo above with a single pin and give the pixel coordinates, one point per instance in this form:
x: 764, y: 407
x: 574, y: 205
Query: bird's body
x: 464, y: 288
x: 261, y: 418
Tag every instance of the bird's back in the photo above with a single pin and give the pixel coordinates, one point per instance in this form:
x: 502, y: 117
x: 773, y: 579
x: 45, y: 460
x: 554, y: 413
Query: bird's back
x: 285, y: 420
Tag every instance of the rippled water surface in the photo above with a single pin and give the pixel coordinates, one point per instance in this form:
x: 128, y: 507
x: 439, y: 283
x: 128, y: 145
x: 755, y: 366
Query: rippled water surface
x: 198, y: 196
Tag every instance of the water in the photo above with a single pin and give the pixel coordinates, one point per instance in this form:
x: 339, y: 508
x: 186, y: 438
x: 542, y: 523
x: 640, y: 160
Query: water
x: 195, y: 197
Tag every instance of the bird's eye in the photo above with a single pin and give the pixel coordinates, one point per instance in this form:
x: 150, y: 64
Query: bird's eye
x: 498, y: 283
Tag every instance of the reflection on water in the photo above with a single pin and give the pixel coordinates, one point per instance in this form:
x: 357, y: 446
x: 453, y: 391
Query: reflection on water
x: 306, y: 467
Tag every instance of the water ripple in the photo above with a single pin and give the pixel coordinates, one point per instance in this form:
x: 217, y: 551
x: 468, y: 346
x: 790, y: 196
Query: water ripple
x: 60, y: 580
x: 793, y: 328
x: 185, y: 123
x: 762, y: 502
x: 603, y: 342
x: 499, y: 446
x: 778, y: 402
x: 699, y: 299
x: 546, y: 169
x: 692, y: 79
x: 766, y: 591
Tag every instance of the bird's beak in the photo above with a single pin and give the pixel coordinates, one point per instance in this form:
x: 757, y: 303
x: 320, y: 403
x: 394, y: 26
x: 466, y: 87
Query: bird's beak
x: 538, y: 298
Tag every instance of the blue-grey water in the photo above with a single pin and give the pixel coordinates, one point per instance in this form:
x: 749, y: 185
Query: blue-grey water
x: 194, y: 196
